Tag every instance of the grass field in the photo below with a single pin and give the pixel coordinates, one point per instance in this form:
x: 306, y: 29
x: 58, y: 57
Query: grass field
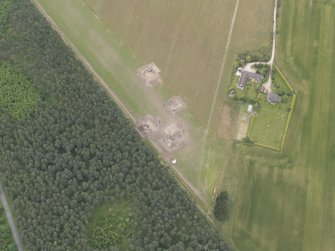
x: 268, y: 126
x: 289, y: 205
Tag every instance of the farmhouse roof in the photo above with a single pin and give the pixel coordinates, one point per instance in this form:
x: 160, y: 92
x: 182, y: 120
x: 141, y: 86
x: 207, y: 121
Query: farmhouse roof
x: 246, y: 76
x: 273, y: 98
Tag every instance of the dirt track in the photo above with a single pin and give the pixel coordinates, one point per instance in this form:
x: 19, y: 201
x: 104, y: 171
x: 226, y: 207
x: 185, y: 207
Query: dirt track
x: 218, y: 84
x: 248, y: 67
x: 10, y: 219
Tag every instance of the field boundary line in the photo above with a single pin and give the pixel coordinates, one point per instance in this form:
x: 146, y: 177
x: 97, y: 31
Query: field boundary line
x: 288, y: 120
x: 218, y: 84
x: 268, y: 147
x: 283, y: 77
x: 292, y: 105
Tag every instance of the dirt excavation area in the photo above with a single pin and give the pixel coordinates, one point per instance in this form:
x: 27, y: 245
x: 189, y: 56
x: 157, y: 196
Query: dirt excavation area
x: 149, y: 74
x: 170, y: 133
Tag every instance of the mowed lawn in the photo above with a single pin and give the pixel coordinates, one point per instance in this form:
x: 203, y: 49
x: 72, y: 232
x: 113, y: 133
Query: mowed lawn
x: 268, y: 126
x: 286, y: 201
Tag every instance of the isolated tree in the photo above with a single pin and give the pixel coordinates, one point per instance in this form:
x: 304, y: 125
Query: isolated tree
x: 221, y: 208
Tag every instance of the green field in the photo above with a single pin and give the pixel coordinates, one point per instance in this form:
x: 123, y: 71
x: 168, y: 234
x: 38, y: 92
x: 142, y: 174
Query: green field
x: 111, y: 225
x: 268, y: 126
x: 285, y: 201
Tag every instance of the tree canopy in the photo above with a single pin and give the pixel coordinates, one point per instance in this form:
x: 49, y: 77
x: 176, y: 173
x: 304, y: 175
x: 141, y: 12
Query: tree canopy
x: 221, y: 208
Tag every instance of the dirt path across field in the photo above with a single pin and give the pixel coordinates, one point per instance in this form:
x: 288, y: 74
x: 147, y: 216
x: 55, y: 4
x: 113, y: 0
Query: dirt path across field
x: 10, y: 219
x: 218, y: 84
x: 249, y: 66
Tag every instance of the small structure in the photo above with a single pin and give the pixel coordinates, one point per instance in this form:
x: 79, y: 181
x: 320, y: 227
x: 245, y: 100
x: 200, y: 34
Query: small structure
x: 246, y: 76
x: 273, y: 98
x: 174, y: 104
x: 238, y: 72
x: 173, y: 161
x: 149, y: 74
x: 148, y: 125
x: 250, y: 109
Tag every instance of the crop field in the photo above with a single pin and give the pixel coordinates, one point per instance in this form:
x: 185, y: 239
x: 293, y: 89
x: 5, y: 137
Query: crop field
x: 186, y: 39
x: 285, y: 200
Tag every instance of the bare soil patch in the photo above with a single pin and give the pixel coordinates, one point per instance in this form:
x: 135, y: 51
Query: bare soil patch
x: 150, y: 74
x: 174, y: 105
x: 244, y: 121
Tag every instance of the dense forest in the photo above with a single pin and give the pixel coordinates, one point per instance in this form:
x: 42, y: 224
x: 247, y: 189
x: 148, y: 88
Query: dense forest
x: 67, y: 152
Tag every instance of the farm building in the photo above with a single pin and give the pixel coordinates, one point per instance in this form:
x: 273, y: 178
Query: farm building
x: 273, y: 98
x: 250, y: 108
x: 246, y: 76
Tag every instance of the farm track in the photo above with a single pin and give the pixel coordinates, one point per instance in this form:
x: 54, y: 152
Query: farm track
x: 10, y: 219
x: 218, y: 84
x: 248, y: 67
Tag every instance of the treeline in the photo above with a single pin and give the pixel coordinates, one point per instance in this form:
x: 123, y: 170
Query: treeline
x: 76, y: 151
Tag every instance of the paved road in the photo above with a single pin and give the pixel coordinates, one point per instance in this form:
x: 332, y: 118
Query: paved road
x: 10, y: 219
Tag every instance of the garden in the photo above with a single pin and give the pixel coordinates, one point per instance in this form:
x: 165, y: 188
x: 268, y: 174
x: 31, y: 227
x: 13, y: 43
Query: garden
x: 269, y: 122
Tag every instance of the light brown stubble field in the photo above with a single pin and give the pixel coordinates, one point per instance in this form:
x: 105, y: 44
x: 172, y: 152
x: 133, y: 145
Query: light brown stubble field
x: 187, y: 39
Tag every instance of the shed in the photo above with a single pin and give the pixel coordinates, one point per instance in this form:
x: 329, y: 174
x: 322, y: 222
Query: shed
x: 273, y: 98
x: 250, y: 108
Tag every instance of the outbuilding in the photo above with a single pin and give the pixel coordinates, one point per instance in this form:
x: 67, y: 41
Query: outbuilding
x: 273, y: 98
x: 250, y: 109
